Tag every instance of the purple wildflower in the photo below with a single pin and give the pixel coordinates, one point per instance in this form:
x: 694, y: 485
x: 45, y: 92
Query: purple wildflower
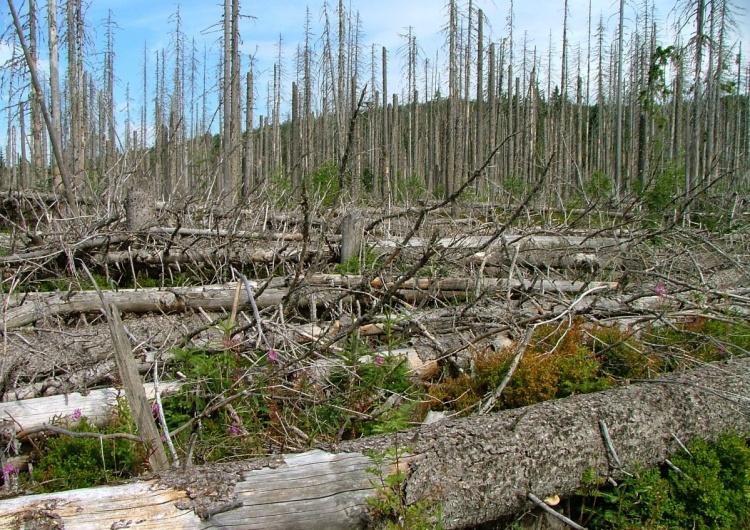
x: 272, y: 355
x: 10, y: 473
x: 660, y: 289
x: 379, y: 360
x: 77, y: 415
x: 234, y: 430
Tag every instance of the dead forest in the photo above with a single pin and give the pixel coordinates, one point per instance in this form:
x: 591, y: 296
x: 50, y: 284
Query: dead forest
x: 444, y: 295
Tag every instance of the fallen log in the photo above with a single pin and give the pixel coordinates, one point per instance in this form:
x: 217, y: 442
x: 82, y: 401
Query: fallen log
x: 176, y: 299
x: 476, y: 469
x: 97, y: 406
x: 33, y: 307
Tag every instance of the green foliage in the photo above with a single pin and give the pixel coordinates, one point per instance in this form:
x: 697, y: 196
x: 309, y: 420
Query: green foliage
x: 515, y: 186
x: 325, y: 183
x: 622, y: 356
x: 209, y: 375
x: 557, y: 363
x: 389, y: 509
x: 561, y: 361
x: 599, y: 186
x: 711, y: 491
x: 659, y: 194
x: 325, y: 409
x: 64, y: 284
x: 368, y: 180
x: 410, y: 188
x: 367, y: 260
x: 69, y: 463
x: 703, y: 339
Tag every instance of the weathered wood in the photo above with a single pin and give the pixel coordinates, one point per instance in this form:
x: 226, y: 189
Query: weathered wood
x: 45, y: 305
x: 352, y: 233
x: 210, y: 297
x: 139, y: 210
x: 233, y: 256
x: 97, y: 406
x: 239, y: 234
x: 478, y: 468
x: 314, y: 490
x: 133, y: 386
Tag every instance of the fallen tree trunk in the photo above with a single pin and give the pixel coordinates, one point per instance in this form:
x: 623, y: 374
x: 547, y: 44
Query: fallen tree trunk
x: 477, y: 469
x: 97, y: 406
x: 33, y: 307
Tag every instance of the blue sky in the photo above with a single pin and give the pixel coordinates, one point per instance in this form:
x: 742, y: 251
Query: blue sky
x: 149, y: 23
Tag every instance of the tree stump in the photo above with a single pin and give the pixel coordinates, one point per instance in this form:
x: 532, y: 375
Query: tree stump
x: 352, y: 233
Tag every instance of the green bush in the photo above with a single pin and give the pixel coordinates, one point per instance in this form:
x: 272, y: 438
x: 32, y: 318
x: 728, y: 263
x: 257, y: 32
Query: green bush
x: 325, y: 182
x: 658, y: 197
x: 711, y: 490
x: 70, y: 463
x: 599, y: 186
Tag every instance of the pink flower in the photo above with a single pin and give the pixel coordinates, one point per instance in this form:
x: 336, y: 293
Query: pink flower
x: 234, y: 430
x: 77, y: 415
x: 272, y: 355
x: 660, y: 289
x: 379, y: 360
x: 10, y: 473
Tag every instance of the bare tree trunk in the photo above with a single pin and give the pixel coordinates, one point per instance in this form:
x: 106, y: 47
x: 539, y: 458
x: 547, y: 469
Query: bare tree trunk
x: 248, y: 172
x: 236, y: 103
x: 70, y: 195
x: 693, y: 166
x: 618, y: 184
x: 226, y: 104
x: 38, y: 156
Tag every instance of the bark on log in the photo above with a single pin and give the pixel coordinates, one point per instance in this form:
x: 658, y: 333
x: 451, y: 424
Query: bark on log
x: 39, y: 307
x: 478, y: 468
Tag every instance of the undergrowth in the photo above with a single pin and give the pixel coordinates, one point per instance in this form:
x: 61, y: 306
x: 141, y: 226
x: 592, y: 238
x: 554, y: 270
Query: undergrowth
x: 63, y: 462
x: 341, y: 399
x: 360, y: 392
x: 709, y: 489
x: 565, y: 360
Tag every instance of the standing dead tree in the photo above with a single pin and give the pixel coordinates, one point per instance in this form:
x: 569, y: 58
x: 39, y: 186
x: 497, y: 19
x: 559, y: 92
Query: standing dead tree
x: 51, y: 130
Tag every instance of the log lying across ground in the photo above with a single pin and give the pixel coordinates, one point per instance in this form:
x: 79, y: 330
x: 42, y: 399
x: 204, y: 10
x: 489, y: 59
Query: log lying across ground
x: 478, y: 469
x: 34, y: 307
x: 97, y: 406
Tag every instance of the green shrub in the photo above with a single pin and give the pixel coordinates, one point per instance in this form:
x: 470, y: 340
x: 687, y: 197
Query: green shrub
x: 325, y: 183
x: 658, y: 197
x: 69, y: 463
x: 599, y: 186
x: 711, y: 491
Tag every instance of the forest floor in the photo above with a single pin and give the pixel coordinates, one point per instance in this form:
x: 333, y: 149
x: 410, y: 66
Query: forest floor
x: 264, y: 341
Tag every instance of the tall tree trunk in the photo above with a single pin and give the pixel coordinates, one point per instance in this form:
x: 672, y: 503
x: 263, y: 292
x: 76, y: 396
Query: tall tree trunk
x: 694, y: 161
x: 619, y: 180
x: 54, y: 79
x: 38, y: 156
x: 226, y: 105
